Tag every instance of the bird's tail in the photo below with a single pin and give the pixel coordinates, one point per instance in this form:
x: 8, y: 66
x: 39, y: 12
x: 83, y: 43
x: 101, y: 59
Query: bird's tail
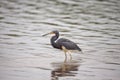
x: 80, y: 50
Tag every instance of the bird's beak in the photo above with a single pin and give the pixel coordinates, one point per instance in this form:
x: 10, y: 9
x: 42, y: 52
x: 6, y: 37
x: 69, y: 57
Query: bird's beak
x: 48, y: 33
x: 45, y: 34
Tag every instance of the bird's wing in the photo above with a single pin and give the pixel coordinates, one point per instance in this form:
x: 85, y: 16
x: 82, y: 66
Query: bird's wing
x: 68, y: 44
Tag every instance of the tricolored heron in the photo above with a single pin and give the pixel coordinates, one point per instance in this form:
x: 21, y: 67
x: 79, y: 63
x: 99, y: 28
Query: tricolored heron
x: 64, y: 44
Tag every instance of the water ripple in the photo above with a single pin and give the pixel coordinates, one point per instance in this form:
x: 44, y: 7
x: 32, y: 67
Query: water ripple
x: 94, y: 25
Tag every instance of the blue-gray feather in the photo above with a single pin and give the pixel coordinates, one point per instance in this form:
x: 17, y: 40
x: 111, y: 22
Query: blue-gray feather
x: 58, y: 43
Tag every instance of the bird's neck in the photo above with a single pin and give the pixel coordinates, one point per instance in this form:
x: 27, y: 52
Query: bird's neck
x: 53, y: 39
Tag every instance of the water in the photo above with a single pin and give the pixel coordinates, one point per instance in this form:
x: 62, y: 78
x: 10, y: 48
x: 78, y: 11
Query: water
x: 93, y: 24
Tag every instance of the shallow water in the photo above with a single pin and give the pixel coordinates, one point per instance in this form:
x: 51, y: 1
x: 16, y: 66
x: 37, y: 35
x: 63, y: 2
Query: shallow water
x: 93, y: 24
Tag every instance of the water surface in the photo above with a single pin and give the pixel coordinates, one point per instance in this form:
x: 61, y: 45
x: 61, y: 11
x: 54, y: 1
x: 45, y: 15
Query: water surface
x: 93, y: 24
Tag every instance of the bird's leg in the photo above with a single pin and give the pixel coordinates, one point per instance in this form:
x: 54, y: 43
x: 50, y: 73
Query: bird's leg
x: 65, y: 51
x: 70, y: 55
x: 65, y: 57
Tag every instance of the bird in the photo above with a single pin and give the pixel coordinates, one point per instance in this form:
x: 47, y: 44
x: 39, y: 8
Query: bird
x: 62, y: 43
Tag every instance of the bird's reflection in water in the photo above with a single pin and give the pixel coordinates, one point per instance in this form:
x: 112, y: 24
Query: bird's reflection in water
x: 62, y: 69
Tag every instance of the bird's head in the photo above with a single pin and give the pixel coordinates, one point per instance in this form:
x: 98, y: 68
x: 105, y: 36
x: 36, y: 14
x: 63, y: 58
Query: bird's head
x: 55, y: 32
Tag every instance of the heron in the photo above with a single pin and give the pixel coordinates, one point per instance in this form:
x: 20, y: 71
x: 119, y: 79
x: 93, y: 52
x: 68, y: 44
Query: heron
x: 64, y: 44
